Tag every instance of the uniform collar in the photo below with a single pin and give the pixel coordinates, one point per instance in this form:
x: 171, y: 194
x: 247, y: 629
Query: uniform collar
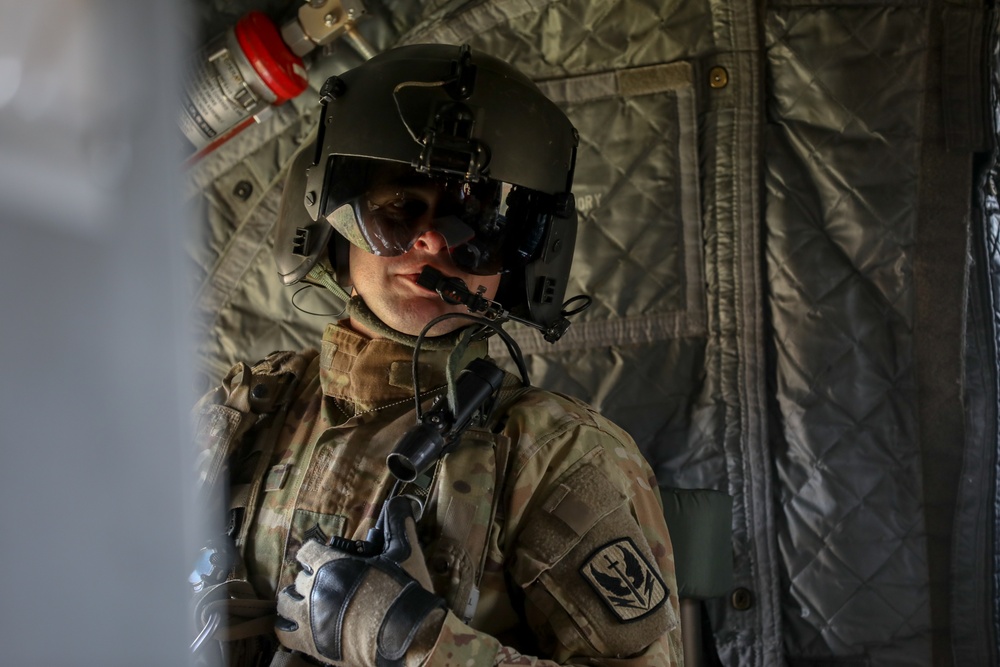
x: 372, y: 373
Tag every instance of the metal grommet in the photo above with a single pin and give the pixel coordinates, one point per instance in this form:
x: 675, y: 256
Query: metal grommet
x: 718, y: 77
x: 441, y: 565
x: 742, y: 599
x: 259, y: 391
x: 243, y: 190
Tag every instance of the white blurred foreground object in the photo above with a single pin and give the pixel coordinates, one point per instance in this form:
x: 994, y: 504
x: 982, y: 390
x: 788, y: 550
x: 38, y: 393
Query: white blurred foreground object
x: 93, y: 416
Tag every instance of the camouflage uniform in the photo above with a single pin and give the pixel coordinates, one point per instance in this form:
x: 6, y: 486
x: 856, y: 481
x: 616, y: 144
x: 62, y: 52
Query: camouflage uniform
x: 551, y: 510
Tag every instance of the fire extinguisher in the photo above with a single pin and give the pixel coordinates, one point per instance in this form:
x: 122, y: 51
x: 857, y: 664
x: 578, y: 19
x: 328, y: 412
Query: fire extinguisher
x: 254, y: 66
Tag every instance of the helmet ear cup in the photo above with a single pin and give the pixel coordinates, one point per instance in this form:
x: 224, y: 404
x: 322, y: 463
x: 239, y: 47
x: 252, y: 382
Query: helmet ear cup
x: 539, y: 255
x: 299, y: 240
x: 528, y: 213
x: 546, y: 278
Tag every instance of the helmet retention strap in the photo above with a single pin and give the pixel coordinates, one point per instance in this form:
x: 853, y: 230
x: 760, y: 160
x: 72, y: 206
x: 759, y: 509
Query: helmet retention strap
x: 322, y: 276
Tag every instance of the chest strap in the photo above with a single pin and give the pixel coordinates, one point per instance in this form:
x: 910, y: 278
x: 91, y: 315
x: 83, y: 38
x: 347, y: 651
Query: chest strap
x: 247, y: 395
x: 249, y: 398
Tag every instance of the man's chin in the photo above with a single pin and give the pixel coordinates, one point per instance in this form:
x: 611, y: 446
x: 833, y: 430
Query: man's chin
x: 413, y: 320
x: 439, y: 329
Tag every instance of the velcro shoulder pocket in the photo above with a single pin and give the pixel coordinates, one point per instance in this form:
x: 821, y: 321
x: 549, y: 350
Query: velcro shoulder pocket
x: 587, y: 572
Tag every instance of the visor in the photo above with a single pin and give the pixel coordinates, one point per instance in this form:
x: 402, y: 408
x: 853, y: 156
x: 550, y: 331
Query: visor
x: 384, y: 207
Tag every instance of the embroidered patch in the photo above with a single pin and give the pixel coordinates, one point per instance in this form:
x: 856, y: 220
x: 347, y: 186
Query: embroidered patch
x: 315, y: 533
x: 624, y: 579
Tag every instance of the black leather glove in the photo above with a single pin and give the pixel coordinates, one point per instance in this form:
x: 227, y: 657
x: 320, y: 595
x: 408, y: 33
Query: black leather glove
x: 374, y: 611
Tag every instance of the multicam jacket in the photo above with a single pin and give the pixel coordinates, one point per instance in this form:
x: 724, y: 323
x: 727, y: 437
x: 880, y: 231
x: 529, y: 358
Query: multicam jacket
x: 543, y: 531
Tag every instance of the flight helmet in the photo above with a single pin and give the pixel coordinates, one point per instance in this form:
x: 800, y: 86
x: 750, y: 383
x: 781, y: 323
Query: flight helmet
x: 499, y: 154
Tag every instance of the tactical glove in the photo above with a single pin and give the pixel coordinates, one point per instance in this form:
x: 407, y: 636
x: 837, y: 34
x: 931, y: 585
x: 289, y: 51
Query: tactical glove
x: 374, y: 611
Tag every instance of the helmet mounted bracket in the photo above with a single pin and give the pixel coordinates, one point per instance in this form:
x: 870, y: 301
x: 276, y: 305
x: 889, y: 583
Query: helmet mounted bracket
x: 463, y: 81
x: 448, y: 144
x: 449, y: 147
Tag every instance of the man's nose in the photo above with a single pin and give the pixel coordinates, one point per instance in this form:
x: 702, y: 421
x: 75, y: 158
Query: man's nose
x: 431, y: 241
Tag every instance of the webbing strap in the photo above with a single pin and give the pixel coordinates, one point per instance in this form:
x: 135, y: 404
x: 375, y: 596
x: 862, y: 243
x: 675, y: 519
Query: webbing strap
x: 265, y: 448
x: 245, y: 396
x: 321, y: 275
x: 259, y: 618
x: 511, y: 390
x: 234, y: 611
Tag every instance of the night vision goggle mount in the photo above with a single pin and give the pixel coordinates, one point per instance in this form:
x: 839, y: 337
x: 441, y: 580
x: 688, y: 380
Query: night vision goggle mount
x: 448, y: 146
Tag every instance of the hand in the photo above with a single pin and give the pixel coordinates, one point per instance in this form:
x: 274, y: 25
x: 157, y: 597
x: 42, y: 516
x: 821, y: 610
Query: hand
x: 366, y: 611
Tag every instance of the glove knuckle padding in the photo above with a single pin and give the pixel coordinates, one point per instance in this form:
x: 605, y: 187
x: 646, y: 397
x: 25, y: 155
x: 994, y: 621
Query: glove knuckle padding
x: 404, y: 619
x: 383, y: 616
x: 335, y: 587
x: 298, y: 607
x: 359, y: 611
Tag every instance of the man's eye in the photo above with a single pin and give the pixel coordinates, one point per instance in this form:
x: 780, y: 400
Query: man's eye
x: 399, y: 210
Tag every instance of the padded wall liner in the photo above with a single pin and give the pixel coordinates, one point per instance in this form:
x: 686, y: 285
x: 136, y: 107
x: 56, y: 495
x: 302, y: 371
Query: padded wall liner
x: 842, y: 170
x: 975, y: 581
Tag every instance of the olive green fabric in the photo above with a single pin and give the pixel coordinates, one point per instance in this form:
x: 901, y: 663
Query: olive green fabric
x: 700, y: 523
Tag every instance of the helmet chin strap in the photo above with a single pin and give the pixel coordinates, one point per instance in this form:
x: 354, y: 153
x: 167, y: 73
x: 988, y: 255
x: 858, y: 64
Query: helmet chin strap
x: 322, y: 276
x: 358, y: 310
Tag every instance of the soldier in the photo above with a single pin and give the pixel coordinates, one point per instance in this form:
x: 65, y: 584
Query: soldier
x: 537, y: 539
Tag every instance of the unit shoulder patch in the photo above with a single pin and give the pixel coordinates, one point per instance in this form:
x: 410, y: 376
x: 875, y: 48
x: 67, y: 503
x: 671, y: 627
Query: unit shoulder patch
x: 624, y: 579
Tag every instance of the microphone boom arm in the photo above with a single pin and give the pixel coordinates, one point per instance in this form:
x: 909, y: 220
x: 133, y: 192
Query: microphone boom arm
x: 455, y: 291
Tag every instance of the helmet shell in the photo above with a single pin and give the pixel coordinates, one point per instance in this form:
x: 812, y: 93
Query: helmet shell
x: 445, y: 111
x: 386, y: 107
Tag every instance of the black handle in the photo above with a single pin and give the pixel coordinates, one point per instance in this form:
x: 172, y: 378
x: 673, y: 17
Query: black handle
x: 424, y: 443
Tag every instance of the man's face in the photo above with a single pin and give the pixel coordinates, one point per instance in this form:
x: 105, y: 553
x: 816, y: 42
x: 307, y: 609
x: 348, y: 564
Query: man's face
x: 389, y: 284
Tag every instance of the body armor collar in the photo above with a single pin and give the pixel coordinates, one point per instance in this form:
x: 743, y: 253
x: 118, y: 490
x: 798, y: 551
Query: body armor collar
x: 359, y: 311
x: 376, y: 372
